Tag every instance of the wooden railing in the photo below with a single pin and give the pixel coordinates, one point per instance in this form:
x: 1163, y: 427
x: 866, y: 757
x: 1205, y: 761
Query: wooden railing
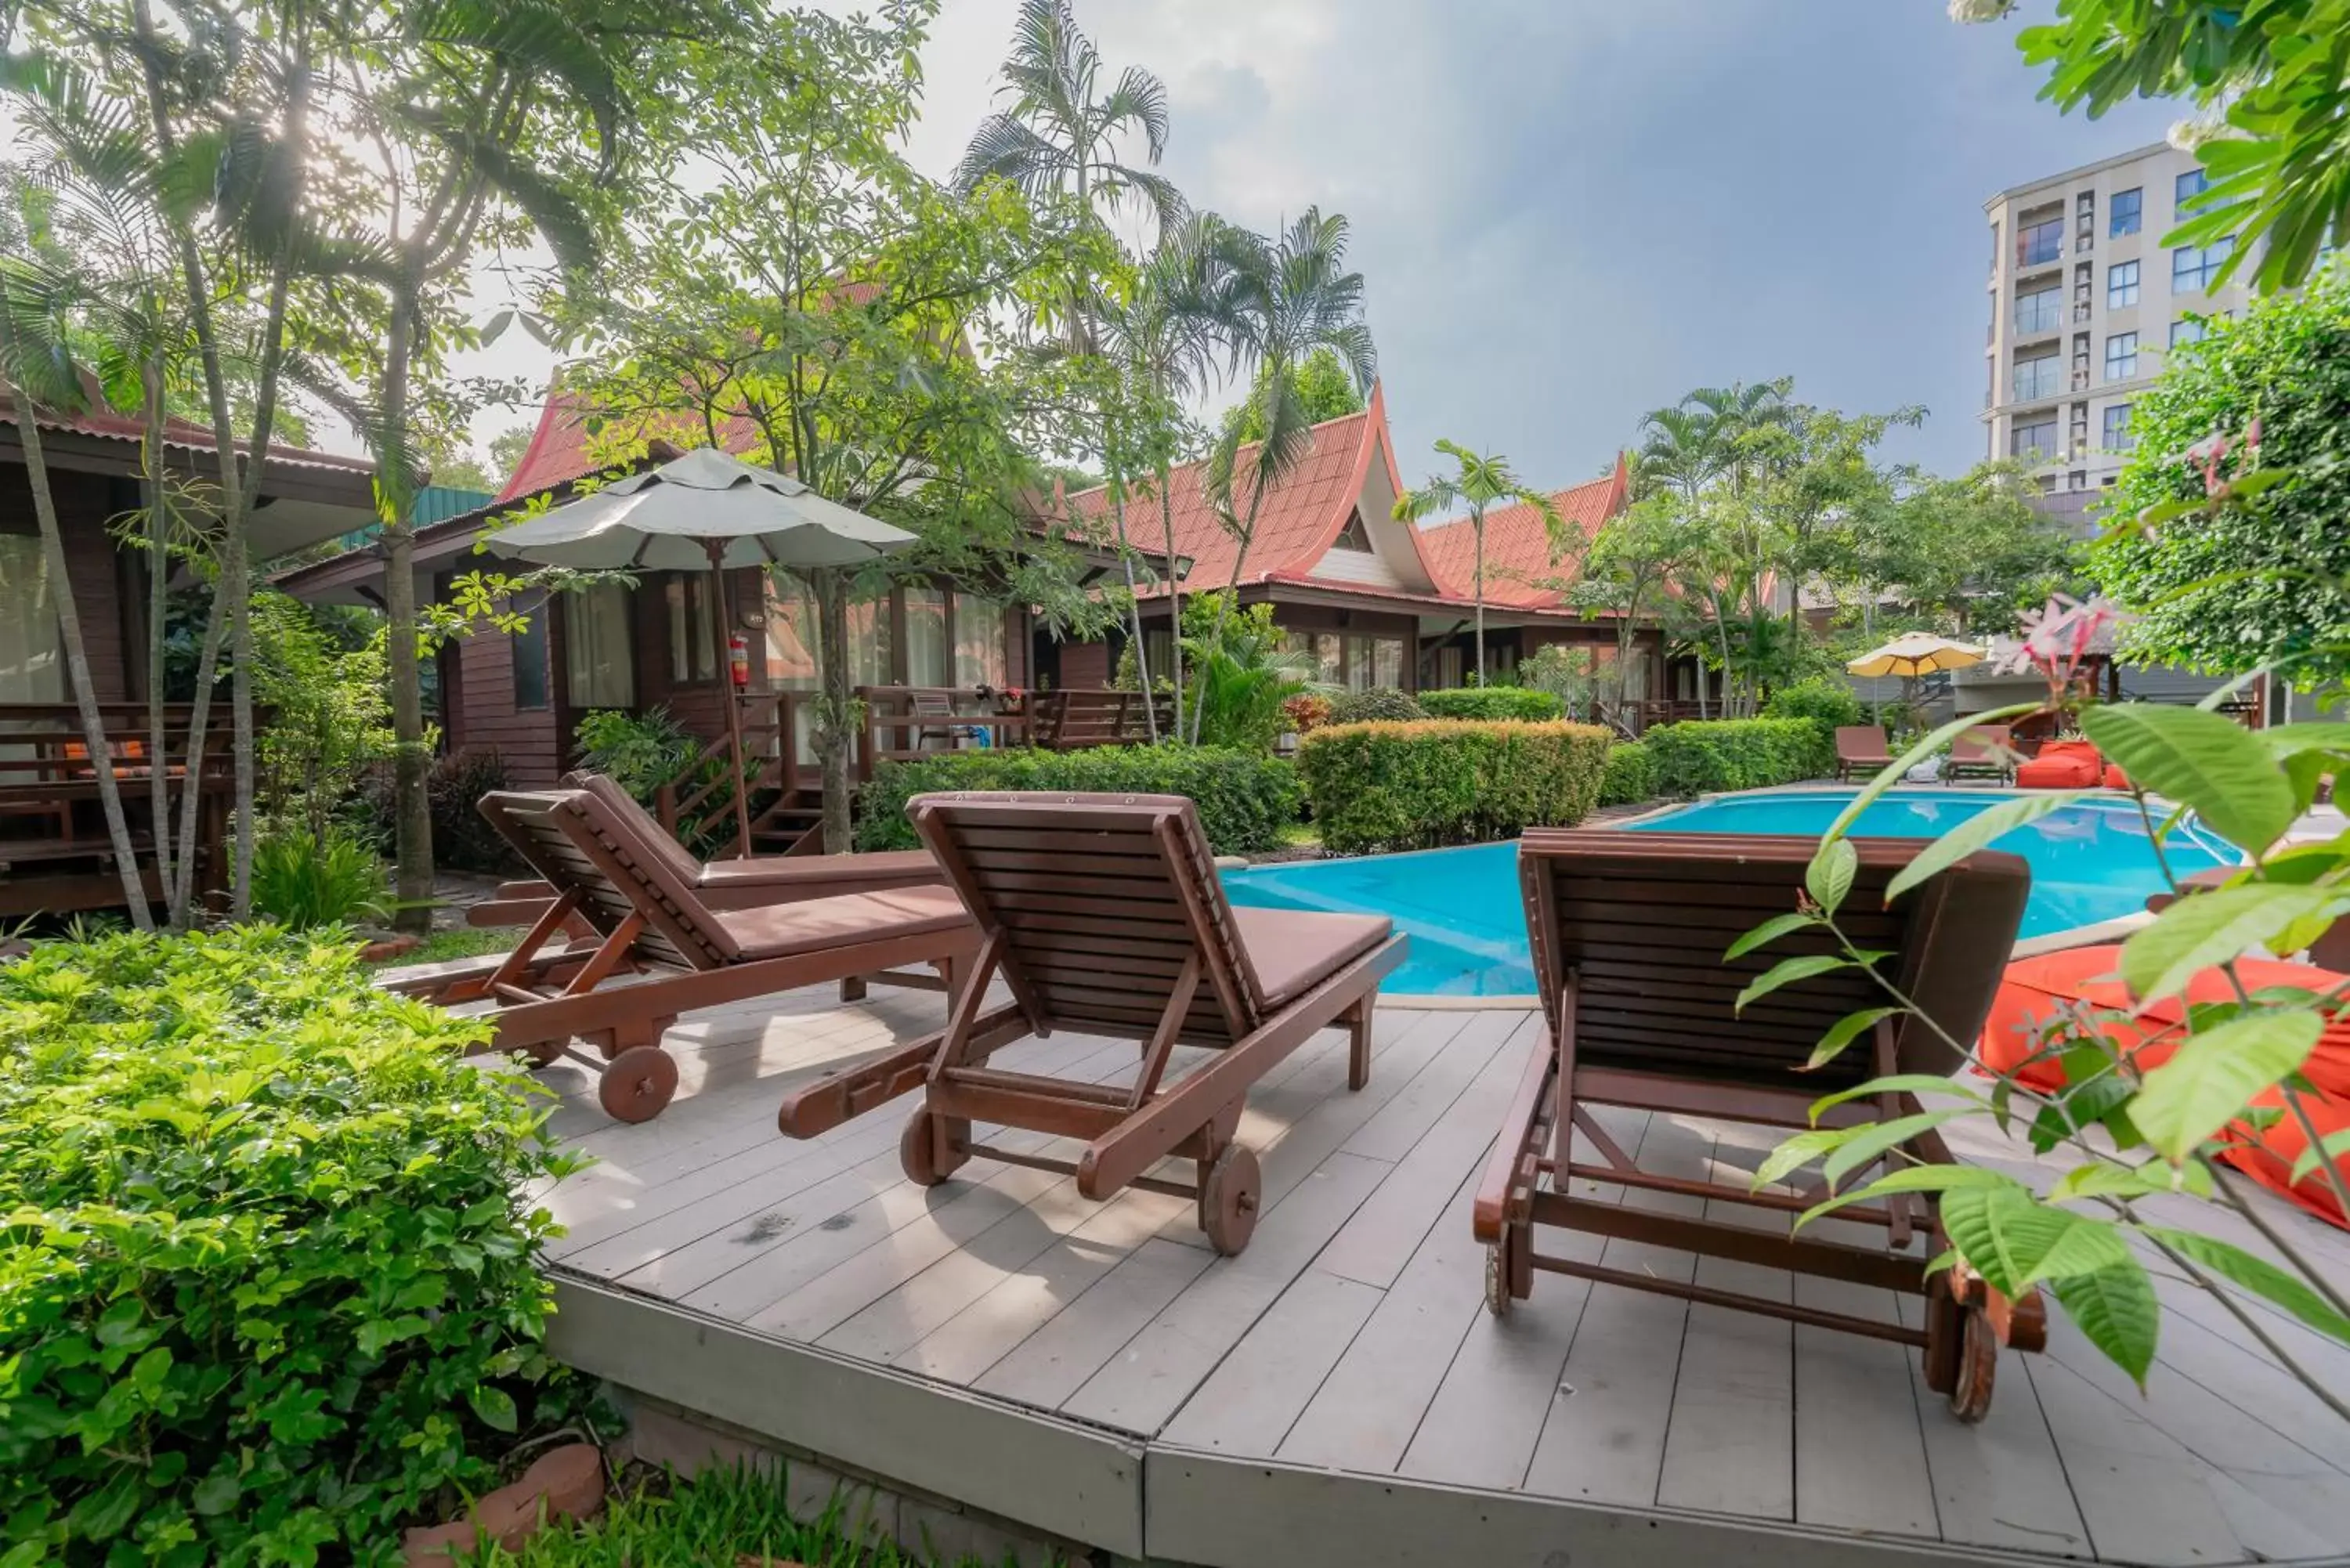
x: 1072, y: 720
x: 902, y: 723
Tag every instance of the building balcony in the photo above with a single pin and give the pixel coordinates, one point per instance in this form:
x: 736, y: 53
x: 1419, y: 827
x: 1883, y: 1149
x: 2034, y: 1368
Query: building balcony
x: 2035, y: 382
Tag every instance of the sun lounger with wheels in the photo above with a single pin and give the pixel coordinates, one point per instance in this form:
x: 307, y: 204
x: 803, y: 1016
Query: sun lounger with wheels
x: 1627, y: 932
x: 1861, y: 749
x: 1102, y: 914
x: 1985, y: 752
x: 635, y: 891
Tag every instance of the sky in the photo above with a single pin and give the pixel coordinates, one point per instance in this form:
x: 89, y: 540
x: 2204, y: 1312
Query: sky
x: 1569, y: 211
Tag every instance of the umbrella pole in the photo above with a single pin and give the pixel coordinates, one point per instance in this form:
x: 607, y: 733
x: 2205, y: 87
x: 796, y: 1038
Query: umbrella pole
x: 726, y: 698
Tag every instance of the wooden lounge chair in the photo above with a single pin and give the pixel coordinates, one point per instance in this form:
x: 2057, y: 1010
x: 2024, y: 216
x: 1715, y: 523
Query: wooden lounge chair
x: 724, y: 883
x: 1861, y: 749
x: 1627, y: 932
x: 1987, y: 751
x: 1102, y: 914
x: 636, y: 892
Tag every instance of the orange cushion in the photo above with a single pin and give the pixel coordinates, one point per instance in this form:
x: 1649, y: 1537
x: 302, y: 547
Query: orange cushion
x: 2114, y: 777
x: 2061, y: 765
x: 2268, y: 1156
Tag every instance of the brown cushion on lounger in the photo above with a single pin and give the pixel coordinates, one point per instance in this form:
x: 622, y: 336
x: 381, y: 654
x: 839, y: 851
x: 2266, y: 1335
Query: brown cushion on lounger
x: 887, y: 866
x: 1291, y: 951
x: 778, y: 930
x: 620, y: 803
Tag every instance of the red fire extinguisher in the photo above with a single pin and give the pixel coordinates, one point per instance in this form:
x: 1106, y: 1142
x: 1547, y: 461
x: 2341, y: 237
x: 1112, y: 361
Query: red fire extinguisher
x: 738, y: 659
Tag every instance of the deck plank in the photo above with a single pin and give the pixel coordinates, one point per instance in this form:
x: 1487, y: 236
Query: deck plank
x: 1048, y: 1368
x: 1860, y: 1446
x: 2142, y: 1495
x: 1248, y: 1405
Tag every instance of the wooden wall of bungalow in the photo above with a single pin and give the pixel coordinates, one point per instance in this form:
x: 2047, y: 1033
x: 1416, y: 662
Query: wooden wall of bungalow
x: 523, y: 694
x: 109, y: 588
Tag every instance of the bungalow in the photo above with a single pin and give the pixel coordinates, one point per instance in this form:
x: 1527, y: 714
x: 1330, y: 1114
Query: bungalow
x: 1376, y: 601
x: 54, y: 857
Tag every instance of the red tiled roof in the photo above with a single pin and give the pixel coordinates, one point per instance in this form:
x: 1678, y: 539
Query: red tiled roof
x: 559, y: 454
x: 1517, y: 543
x: 1296, y: 522
x: 101, y: 422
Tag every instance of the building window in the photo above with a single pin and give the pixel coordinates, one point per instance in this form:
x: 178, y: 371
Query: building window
x: 979, y: 643
x: 690, y: 657
x: 926, y: 636
x: 2126, y: 209
x: 1354, y: 537
x: 2118, y: 428
x: 2121, y: 356
x: 2194, y: 268
x: 1349, y: 658
x: 600, y: 664
x: 2037, y: 439
x: 32, y: 668
x: 2121, y: 285
x: 2038, y: 242
x: 2190, y: 185
x: 2195, y: 328
x: 2035, y: 377
x: 2042, y: 310
x: 528, y: 647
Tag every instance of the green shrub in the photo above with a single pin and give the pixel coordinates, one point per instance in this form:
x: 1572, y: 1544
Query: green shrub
x: 1824, y: 697
x: 1374, y: 705
x: 1629, y: 778
x: 333, y: 880
x: 463, y: 838
x: 1246, y: 799
x: 1415, y: 786
x: 1705, y: 756
x: 1493, y: 702
x: 268, y: 1289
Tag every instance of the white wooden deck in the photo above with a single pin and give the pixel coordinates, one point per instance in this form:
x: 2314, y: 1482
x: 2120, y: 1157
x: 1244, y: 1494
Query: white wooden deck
x: 1339, y: 1393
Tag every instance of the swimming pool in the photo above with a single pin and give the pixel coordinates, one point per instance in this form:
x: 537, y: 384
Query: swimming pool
x: 2090, y: 862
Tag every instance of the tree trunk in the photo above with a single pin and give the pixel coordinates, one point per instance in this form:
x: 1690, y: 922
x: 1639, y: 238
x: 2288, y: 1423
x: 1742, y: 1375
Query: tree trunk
x: 159, y: 574
x: 1477, y: 527
x: 412, y: 760
x: 93, y: 724
x: 1174, y: 595
x: 835, y: 708
x: 1133, y: 605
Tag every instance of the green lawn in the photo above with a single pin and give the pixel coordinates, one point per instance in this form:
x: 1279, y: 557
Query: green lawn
x: 466, y: 941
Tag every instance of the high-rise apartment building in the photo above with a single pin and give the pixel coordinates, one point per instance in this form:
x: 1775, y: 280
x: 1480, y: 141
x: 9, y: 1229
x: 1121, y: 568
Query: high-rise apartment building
x: 2085, y: 301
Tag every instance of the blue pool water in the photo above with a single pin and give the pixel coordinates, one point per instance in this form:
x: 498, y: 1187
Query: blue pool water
x: 2090, y: 862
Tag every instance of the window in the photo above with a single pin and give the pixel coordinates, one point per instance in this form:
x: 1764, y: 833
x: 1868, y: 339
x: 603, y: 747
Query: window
x: 31, y: 669
x: 690, y: 657
x: 2038, y: 242
x: 2196, y: 268
x: 1349, y: 658
x: 600, y: 664
x: 2035, y: 377
x: 1353, y: 537
x: 2042, y: 310
x: 979, y: 643
x: 2195, y: 328
x: 2036, y: 439
x: 2118, y: 428
x: 2121, y: 356
x: 2125, y: 211
x: 2121, y: 285
x: 2189, y: 186
x: 528, y: 647
x: 926, y: 636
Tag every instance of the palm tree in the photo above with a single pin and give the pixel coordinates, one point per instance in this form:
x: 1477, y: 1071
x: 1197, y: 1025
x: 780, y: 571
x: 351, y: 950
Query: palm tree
x: 1271, y: 304
x: 1709, y: 435
x: 1057, y: 139
x: 1483, y: 483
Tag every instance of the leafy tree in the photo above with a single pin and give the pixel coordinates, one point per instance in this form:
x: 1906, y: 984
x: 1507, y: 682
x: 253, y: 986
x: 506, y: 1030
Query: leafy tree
x: 1714, y: 433
x: 2267, y: 581
x: 1325, y: 386
x: 506, y: 449
x: 1626, y: 570
x: 2272, y: 82
x: 1481, y: 484
x: 1971, y: 554
x: 856, y: 318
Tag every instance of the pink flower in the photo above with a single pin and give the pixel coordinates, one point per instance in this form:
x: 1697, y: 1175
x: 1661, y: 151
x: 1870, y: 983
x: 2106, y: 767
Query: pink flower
x: 2059, y: 639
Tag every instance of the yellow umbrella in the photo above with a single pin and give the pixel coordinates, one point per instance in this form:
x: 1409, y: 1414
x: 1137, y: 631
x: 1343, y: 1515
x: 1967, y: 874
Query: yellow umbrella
x: 1917, y: 653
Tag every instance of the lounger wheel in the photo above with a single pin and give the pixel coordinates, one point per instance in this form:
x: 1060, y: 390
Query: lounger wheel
x: 636, y: 1084
x: 1228, y: 1198
x: 927, y: 1157
x: 1497, y: 1277
x: 1978, y: 1366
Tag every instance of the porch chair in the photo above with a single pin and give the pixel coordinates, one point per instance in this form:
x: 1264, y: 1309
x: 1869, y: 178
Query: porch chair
x: 1861, y: 749
x: 1102, y: 914
x: 612, y: 870
x: 1627, y: 932
x: 1987, y: 751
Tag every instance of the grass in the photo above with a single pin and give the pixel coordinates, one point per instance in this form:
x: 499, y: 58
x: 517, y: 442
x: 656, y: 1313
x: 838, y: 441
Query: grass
x: 721, y: 1519
x: 466, y: 941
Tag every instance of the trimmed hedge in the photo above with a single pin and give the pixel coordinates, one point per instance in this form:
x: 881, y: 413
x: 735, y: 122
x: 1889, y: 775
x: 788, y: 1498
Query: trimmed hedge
x: 1494, y: 702
x: 1446, y: 781
x: 269, y: 1287
x: 1630, y: 778
x: 1374, y: 705
x: 1828, y: 699
x: 1246, y: 800
x: 1704, y: 756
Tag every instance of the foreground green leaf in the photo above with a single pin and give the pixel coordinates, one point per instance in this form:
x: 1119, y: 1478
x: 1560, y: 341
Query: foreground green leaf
x: 2116, y: 1308
x: 2013, y: 1241
x: 2258, y: 1275
x: 2208, y: 929
x: 1943, y: 1179
x: 2202, y: 759
x: 2214, y: 1075
x: 1844, y: 1032
x: 1769, y: 932
x: 1828, y: 878
x: 1789, y: 972
x: 1976, y: 832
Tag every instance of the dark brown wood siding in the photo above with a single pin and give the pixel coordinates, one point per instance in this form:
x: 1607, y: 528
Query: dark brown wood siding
x: 483, y: 711
x: 85, y: 501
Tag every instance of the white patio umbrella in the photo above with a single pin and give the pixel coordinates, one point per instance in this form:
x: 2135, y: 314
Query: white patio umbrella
x: 707, y: 509
x: 1915, y: 654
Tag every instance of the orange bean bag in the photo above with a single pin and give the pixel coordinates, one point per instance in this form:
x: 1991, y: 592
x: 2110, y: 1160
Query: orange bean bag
x: 2034, y: 994
x: 2062, y: 765
x: 2114, y: 777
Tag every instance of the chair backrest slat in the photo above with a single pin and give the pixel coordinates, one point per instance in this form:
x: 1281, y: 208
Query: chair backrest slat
x: 1643, y: 920
x: 1099, y: 900
x: 567, y: 838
